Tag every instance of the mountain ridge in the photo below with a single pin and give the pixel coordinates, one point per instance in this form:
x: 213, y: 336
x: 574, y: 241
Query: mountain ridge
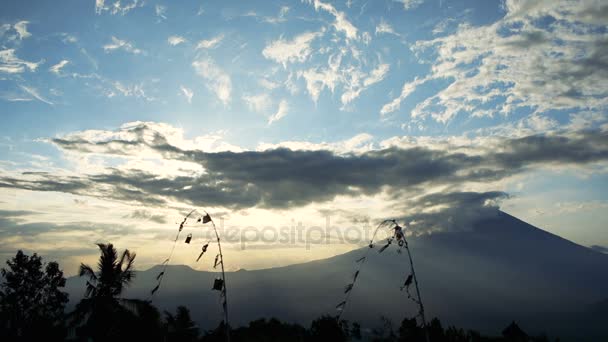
x: 482, y: 277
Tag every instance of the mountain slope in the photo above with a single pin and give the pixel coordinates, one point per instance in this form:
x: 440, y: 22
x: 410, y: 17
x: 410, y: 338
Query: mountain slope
x: 498, y: 270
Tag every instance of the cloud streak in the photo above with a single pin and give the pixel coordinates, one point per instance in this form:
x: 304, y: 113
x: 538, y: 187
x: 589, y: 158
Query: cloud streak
x: 216, y: 79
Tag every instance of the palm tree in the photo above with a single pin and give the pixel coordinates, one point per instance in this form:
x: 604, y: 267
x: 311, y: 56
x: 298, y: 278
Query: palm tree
x: 102, y: 313
x: 112, y: 275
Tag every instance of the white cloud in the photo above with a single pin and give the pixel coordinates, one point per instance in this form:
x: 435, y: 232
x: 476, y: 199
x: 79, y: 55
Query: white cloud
x: 188, y: 93
x: 11, y: 64
x: 117, y: 44
x: 359, y: 82
x: 296, y: 50
x: 56, y: 69
x: 341, y: 23
x: 410, y: 4
x: 267, y: 84
x: 175, y: 40
x: 281, y: 112
x: 68, y: 38
x: 260, y: 103
x: 35, y: 94
x: 161, y: 11
x: 130, y: 90
x: 557, y: 66
x: 384, y: 27
x: 21, y: 28
x: 407, y: 89
x: 117, y: 7
x: 216, y: 79
x: 280, y: 18
x: 210, y: 43
x: 359, y: 143
x: 99, y: 6
x: 318, y: 79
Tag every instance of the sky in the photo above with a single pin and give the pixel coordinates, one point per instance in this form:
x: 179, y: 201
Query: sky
x: 298, y: 125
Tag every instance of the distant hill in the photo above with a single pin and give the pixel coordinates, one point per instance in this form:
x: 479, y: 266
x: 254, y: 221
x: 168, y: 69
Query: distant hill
x: 498, y: 270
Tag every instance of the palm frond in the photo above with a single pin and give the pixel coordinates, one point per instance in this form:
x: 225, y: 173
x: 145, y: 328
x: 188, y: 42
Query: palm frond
x: 87, y: 271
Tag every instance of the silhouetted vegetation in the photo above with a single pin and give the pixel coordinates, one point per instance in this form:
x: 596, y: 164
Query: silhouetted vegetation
x: 31, y: 301
x: 32, y: 308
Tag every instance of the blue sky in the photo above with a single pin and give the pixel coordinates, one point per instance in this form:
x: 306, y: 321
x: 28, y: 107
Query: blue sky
x: 350, y: 78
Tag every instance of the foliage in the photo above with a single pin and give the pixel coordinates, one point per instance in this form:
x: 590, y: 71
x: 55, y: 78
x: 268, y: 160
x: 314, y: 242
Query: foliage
x: 31, y: 301
x: 102, y: 314
x: 180, y: 327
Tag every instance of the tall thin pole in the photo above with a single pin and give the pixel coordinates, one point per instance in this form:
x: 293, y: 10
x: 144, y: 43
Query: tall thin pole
x: 225, y: 304
x: 409, y: 254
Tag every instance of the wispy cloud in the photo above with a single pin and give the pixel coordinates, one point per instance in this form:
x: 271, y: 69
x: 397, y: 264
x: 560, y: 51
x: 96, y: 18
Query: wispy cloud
x: 543, y: 68
x: 161, y: 11
x: 56, y: 69
x: 341, y: 23
x: 210, y: 43
x: 136, y: 90
x: 291, y: 51
x: 11, y: 64
x: 117, y: 7
x: 175, y: 40
x: 407, y: 89
x: 385, y: 27
x: 258, y: 103
x: 118, y: 44
x: 359, y: 83
x: 280, y: 18
x: 21, y: 28
x: 410, y: 4
x: 35, y: 94
x: 215, y: 78
x: 188, y: 93
x: 281, y: 112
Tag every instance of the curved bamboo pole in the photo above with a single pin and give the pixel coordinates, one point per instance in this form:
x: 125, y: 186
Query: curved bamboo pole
x: 225, y: 291
x: 409, y: 254
x: 394, y: 225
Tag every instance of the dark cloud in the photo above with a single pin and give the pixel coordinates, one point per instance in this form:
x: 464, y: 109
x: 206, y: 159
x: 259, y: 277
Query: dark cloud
x: 146, y: 215
x: 283, y: 178
x: 456, y: 211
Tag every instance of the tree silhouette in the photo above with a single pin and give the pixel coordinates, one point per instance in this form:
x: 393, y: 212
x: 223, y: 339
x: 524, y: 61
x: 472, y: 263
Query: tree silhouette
x: 31, y: 302
x: 327, y: 328
x: 102, y: 314
x: 180, y: 327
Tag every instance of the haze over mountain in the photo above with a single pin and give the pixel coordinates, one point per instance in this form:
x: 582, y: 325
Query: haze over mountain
x: 499, y: 270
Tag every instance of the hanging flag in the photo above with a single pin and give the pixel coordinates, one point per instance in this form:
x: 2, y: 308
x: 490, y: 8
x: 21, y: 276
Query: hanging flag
x: 203, y: 252
x: 215, y: 263
x: 206, y: 218
x: 408, y: 282
x: 348, y: 288
x: 218, y: 284
x: 189, y: 238
x: 341, y: 305
x: 160, y: 275
x: 383, y: 248
x: 155, y: 289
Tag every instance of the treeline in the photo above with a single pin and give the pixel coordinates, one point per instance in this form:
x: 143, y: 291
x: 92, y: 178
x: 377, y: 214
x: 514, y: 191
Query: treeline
x: 33, y: 308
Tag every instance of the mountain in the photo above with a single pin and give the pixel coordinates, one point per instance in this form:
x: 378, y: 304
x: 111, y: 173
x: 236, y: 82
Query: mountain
x: 498, y: 270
